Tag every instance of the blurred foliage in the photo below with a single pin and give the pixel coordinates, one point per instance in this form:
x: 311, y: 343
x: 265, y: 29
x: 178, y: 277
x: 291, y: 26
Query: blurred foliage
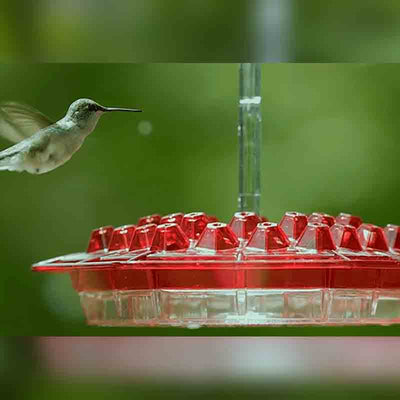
x: 93, y: 389
x: 18, y: 366
x: 199, y: 31
x: 346, y: 31
x: 17, y: 41
x: 330, y: 143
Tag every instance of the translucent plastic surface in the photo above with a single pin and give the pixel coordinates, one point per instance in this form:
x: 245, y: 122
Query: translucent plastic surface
x: 196, y: 308
x: 191, y: 270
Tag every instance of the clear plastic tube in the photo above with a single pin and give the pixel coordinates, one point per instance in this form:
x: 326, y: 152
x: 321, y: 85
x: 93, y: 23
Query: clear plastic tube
x: 249, y: 132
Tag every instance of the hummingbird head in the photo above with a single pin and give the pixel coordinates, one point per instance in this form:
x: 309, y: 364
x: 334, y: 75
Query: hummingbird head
x: 86, y: 113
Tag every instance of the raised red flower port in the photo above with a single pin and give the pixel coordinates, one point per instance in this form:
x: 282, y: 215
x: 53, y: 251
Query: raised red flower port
x: 188, y: 270
x: 392, y: 233
x: 345, y: 237
x: 244, y: 223
x: 348, y: 219
x: 121, y: 238
x: 293, y: 224
x: 100, y: 239
x: 169, y: 237
x: 175, y: 218
x: 317, y: 237
x: 143, y: 237
x: 372, y: 238
x: 193, y: 224
x: 321, y: 218
x: 217, y: 236
x: 150, y: 219
x: 268, y: 236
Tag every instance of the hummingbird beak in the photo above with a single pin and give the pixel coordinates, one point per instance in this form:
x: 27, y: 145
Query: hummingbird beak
x: 109, y: 109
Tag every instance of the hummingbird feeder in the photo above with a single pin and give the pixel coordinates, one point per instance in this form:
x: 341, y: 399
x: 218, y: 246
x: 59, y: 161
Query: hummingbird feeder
x: 190, y: 270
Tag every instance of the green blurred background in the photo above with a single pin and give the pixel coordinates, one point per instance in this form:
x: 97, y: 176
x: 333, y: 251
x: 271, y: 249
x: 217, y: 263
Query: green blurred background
x: 200, y: 31
x: 330, y: 143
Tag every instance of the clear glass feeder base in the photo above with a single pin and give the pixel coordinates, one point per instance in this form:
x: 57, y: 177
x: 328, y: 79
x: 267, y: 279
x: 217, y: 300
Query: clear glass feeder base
x: 197, y: 308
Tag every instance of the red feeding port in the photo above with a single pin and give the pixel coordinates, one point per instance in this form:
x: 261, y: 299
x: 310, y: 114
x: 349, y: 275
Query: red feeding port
x: 175, y: 218
x: 269, y: 237
x: 149, y: 219
x: 217, y: 236
x: 143, y: 237
x: 244, y: 223
x: 121, y: 237
x: 293, y: 224
x: 345, y: 237
x: 348, y: 219
x: 372, y: 237
x: 100, y: 239
x: 321, y: 218
x: 316, y: 236
x: 193, y: 224
x: 392, y: 233
x: 169, y: 237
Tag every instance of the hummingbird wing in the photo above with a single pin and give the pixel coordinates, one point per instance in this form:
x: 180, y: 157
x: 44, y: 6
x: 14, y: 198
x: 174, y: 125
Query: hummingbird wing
x: 19, y: 121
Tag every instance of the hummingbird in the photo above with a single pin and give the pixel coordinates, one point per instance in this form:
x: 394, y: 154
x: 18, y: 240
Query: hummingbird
x: 42, y: 145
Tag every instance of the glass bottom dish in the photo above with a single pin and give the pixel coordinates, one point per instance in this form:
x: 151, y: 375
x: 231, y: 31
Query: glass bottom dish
x: 243, y: 307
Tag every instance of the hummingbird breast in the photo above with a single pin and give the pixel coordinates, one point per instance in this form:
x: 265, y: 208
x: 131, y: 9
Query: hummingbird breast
x: 58, y: 150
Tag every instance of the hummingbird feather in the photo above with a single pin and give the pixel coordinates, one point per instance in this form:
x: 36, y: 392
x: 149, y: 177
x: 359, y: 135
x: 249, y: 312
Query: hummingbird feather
x: 19, y: 121
x: 10, y: 161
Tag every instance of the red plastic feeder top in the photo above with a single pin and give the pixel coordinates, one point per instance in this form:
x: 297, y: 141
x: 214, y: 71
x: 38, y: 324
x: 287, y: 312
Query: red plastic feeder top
x: 195, y: 251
